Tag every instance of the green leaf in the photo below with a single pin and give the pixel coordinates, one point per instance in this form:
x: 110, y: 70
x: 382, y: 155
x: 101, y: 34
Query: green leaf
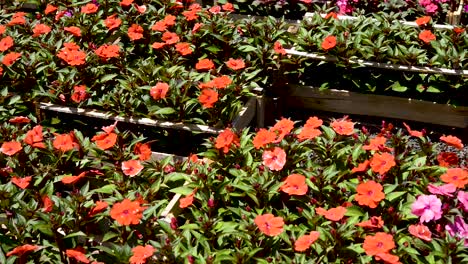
x: 398, y: 88
x: 107, y: 189
x: 184, y: 190
x: 354, y: 211
x: 392, y: 196
x: 165, y: 111
x: 247, y: 48
x: 107, y: 77
x: 176, y: 176
x: 79, y: 233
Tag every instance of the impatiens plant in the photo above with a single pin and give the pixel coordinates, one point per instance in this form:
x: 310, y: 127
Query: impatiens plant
x: 323, y: 193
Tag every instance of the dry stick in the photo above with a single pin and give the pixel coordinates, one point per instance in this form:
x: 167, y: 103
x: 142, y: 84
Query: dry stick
x: 397, y: 67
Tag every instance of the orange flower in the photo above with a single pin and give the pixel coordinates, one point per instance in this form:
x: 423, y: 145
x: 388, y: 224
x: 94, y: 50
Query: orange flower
x: 304, y: 242
x: 89, y: 8
x: 2, y: 29
x: 1, y: 71
x: 108, y: 51
x: 34, y: 137
x: 388, y: 258
x: 413, y: 133
x: 361, y: 167
x: 10, y: 58
x: 127, y: 212
x: 158, y: 45
x: 170, y: 38
x: 377, y: 143
x: 313, y: 122
x: 22, y: 250
x: 423, y: 20
x: 274, y: 159
x: 10, y: 148
x: 331, y: 15
x: 169, y: 20
x: 456, y: 176
x: 447, y: 159
x: 208, y: 98
x: 187, y: 200
x: 159, y: 26
x: 105, y: 140
x: 159, y: 91
x: 75, y: 31
x: 235, y: 64
x: 126, y: 2
x: 458, y: 30
x: 228, y: 7
x: 131, y: 167
x: 77, y: 254
x: 72, y: 54
x: 73, y: 179
x: 278, y: 48
x: 420, y: 231
x: 382, y: 163
x: 308, y: 133
x: 48, y: 204
x: 380, y: 243
x: 225, y: 140
x: 196, y: 27
x: 100, y: 206
x: 263, y: 138
x: 63, y: 142
x: 183, y: 48
x: 49, y: 9
x: 190, y: 15
x: 141, y: 253
x: 369, y: 193
x: 135, y: 32
x: 112, y: 22
x: 329, y: 42
x: 143, y: 150
x: 204, y: 64
x: 333, y: 214
x: 343, y: 127
x: 79, y: 93
x: 6, y: 43
x: 17, y: 19
x: 374, y: 222
x: 269, y: 224
x: 21, y: 182
x: 282, y: 128
x: 427, y: 36
x: 221, y: 82
x: 452, y: 141
x: 295, y: 184
x: 40, y: 29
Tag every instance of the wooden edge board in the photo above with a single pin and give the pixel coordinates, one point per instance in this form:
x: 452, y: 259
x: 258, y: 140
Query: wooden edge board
x: 377, y: 105
x: 407, y: 23
x: 246, y: 114
x: 397, y: 67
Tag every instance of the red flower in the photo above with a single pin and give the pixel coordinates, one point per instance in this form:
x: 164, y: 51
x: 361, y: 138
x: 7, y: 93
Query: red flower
x: 204, y: 64
x: 208, y: 98
x: 263, y: 138
x: 79, y: 93
x: 269, y: 224
x: 458, y: 30
x: 158, y: 45
x: 187, y: 200
x: 381, y: 163
x: 308, y: 133
x: 22, y: 250
x: 73, y: 179
x: 143, y: 150
x: 6, y: 43
x: 75, y: 31
x: 447, y: 159
x: 413, y: 133
x: 313, y: 122
x: 72, y: 54
x: 377, y: 143
x: 423, y: 20
x: 131, y: 167
x: 17, y: 19
x: 49, y: 9
x: 77, y: 254
x: 361, y: 167
x: 169, y: 20
x: 127, y: 212
x: 105, y: 140
x: 295, y: 184
x: 278, y: 48
x: 235, y: 64
x: 100, y: 206
x: 34, y: 137
x: 343, y: 127
x: 126, y: 2
x: 183, y: 48
x: 2, y: 29
x: 303, y: 243
x: 369, y: 193
x: 333, y: 214
x: 159, y: 91
x: 190, y: 15
x: 10, y: 58
x: 48, y: 204
x: 452, y: 141
x: 108, y: 51
x: 19, y: 120
x: 380, y: 243
x: 228, y: 7
x: 427, y: 36
x: 170, y: 38
x: 282, y: 128
x: 274, y: 159
x: 112, y: 22
x: 329, y: 42
x: 63, y: 142
x: 226, y: 139
x: 141, y: 253
x: 374, y: 222
x: 10, y: 148
x: 221, y: 82
x: 420, y: 231
x: 456, y: 176
x: 331, y: 15
x: 159, y: 26
x: 21, y: 182
x: 135, y: 32
x: 40, y: 29
x: 89, y: 8
x: 387, y: 258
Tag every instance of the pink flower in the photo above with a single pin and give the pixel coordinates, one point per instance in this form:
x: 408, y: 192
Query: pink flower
x: 463, y: 199
x: 274, y: 159
x: 459, y: 229
x: 131, y: 167
x: 446, y: 189
x: 427, y: 207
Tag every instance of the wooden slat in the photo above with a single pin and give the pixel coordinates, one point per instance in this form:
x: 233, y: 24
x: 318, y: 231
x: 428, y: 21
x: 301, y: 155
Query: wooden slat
x: 377, y: 105
x: 246, y: 115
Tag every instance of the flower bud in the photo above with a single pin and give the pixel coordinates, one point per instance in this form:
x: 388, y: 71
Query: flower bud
x: 174, y: 224
x: 211, y: 203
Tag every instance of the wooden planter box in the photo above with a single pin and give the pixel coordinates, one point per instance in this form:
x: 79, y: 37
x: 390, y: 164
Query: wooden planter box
x: 243, y: 119
x: 341, y: 101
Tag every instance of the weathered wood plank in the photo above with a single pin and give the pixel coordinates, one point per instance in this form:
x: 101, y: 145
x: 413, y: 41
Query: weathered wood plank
x: 377, y: 105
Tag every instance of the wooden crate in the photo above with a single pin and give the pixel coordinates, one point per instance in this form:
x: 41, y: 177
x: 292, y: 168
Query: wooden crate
x: 341, y: 101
